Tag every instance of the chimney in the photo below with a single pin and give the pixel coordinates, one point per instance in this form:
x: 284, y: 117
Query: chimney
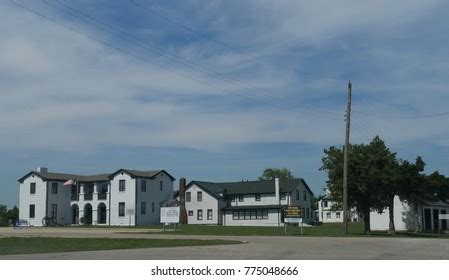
x: 276, y: 190
x: 182, y: 200
x: 42, y: 169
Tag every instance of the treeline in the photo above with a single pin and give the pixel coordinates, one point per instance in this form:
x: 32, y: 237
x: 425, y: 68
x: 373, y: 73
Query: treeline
x: 7, y: 215
x: 376, y: 175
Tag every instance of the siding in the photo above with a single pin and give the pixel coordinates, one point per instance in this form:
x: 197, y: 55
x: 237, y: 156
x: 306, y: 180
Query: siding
x: 208, y: 202
x: 38, y: 199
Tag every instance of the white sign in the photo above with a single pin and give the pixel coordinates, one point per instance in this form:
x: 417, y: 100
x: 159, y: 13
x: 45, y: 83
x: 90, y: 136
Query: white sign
x: 170, y: 215
x: 293, y: 220
x: 129, y: 212
x: 443, y: 216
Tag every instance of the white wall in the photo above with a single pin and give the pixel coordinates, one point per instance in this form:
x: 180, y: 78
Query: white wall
x: 154, y: 195
x: 403, y: 217
x: 128, y: 196
x: 38, y: 199
x: 208, y: 202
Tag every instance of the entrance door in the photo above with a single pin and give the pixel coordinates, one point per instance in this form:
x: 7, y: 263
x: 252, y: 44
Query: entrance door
x: 443, y: 222
x: 436, y: 221
x: 427, y: 219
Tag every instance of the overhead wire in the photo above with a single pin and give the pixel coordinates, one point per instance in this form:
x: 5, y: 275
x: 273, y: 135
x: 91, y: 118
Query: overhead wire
x: 158, y: 65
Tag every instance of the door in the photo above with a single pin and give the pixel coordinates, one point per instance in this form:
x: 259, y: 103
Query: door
x: 427, y: 219
x: 443, y: 222
x: 436, y: 221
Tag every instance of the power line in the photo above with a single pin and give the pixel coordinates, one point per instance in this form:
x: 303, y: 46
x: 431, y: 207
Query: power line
x: 185, y: 27
x: 185, y: 62
x: 402, y: 117
x: 152, y: 63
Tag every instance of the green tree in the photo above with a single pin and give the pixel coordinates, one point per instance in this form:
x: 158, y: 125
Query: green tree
x: 271, y: 173
x: 413, y: 188
x: 370, y: 169
x: 13, y: 214
x: 3, y: 211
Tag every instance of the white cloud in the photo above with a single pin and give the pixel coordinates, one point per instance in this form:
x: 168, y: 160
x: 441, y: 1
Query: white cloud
x: 66, y: 92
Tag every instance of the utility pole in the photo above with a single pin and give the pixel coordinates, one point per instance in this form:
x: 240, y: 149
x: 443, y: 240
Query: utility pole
x: 346, y: 159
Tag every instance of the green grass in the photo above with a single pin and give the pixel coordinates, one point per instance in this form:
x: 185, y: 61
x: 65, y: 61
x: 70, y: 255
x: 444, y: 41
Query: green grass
x: 325, y: 230
x: 34, y: 245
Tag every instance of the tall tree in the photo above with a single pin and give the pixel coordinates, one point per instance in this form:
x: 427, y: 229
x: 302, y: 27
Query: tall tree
x: 413, y: 188
x: 3, y: 211
x: 13, y: 214
x: 369, y: 170
x: 271, y: 173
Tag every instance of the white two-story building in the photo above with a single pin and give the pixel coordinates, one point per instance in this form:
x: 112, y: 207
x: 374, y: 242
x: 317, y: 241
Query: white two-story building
x: 125, y: 197
x: 246, y: 203
x: 328, y: 212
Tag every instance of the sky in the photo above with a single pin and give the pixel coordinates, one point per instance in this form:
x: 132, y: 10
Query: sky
x: 217, y: 90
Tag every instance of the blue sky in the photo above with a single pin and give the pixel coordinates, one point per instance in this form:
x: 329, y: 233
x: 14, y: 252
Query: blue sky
x: 260, y: 84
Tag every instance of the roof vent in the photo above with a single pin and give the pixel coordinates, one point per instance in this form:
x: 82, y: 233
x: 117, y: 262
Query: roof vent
x: 42, y: 169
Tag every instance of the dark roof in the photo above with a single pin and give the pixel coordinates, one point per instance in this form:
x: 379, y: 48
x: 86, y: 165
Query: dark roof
x: 50, y: 176
x: 142, y: 174
x: 254, y: 207
x: 248, y: 187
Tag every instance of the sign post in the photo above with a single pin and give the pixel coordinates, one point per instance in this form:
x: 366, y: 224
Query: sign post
x: 442, y: 217
x: 170, y: 215
x: 130, y: 212
x: 293, y: 215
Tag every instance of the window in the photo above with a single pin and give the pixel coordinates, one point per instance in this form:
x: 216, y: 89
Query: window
x: 199, y: 196
x: 338, y: 215
x: 232, y: 198
x: 54, y: 188
x: 283, y: 196
x: 235, y: 215
x: 305, y: 195
x: 121, y: 186
x: 250, y: 214
x: 143, y: 185
x: 32, y: 211
x: 160, y: 186
x: 200, y: 214
x: 209, y: 214
x: 54, y: 211
x: 152, y: 207
x: 247, y: 215
x: 257, y: 197
x: 253, y: 215
x: 328, y: 216
x: 297, y: 194
x: 143, y: 208
x: 121, y: 209
x: 32, y: 188
x: 190, y: 213
x: 307, y: 213
x: 240, y: 198
x: 325, y: 204
x: 188, y: 196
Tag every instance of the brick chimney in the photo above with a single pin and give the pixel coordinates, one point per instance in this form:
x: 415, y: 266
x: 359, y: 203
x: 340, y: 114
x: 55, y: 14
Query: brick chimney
x: 182, y: 200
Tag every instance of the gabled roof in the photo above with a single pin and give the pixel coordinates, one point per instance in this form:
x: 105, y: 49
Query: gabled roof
x: 248, y: 187
x: 62, y: 177
x: 143, y: 174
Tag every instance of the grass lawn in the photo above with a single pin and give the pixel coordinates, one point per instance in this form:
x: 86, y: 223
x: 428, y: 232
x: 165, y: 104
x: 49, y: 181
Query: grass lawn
x: 32, y: 245
x: 325, y: 230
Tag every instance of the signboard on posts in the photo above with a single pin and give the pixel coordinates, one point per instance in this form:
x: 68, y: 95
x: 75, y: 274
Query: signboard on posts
x: 293, y: 212
x: 170, y: 215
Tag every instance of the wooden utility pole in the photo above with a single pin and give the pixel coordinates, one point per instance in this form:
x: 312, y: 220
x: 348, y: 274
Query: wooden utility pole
x: 346, y: 159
